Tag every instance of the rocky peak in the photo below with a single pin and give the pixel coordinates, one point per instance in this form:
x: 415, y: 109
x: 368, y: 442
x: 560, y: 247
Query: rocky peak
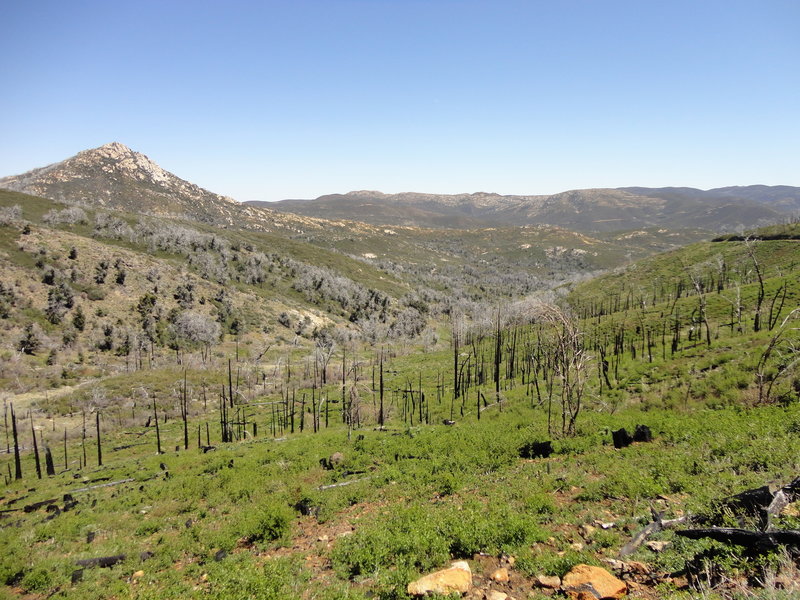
x: 115, y: 176
x: 118, y: 158
x: 112, y: 150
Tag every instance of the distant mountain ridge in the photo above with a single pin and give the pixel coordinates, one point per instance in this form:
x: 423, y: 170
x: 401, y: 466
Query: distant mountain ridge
x: 598, y: 210
x: 116, y: 177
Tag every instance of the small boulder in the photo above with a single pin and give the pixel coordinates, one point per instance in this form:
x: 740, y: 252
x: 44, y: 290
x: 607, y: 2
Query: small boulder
x: 457, y: 579
x: 500, y: 575
x: 333, y: 461
x: 657, y: 545
x: 595, y: 581
x: 587, y: 531
x: 552, y: 582
x: 637, y: 568
x: 495, y: 595
x: 615, y: 564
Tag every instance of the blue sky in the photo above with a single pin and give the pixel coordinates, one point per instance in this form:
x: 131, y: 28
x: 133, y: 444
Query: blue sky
x: 271, y: 100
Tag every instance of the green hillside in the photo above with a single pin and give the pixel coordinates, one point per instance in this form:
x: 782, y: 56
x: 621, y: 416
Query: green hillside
x: 331, y: 466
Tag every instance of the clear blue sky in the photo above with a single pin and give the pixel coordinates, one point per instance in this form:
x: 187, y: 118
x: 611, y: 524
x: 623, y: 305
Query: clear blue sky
x: 271, y: 100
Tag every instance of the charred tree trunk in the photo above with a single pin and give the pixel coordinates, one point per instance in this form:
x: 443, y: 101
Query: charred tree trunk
x: 99, y: 443
x: 158, y: 431
x: 48, y: 461
x: 185, y: 414
x: 35, y: 448
x: 17, y: 461
x: 83, y: 438
x: 380, y: 383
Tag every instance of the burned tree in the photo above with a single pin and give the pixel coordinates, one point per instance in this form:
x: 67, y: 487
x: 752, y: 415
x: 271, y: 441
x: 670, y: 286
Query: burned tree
x: 570, y: 361
x: 751, y: 246
x: 780, y: 357
x: 17, y: 461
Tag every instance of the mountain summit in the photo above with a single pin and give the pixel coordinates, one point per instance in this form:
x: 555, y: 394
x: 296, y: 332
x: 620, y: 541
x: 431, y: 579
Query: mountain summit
x: 117, y: 177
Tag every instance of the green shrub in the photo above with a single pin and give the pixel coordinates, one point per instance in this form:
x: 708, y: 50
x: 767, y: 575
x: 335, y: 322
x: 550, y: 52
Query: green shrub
x: 37, y: 580
x: 148, y: 528
x: 477, y: 528
x: 551, y: 563
x: 540, y: 504
x: 407, y: 539
x: 238, y: 576
x: 268, y: 523
x: 421, y: 538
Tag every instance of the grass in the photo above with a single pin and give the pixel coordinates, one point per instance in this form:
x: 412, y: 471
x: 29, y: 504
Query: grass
x: 435, y: 493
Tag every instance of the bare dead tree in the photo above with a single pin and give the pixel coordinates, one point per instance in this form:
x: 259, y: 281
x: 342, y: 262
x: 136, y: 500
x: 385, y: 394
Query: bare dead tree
x: 751, y: 245
x: 697, y: 282
x: 571, y: 361
x: 784, y: 346
x: 736, y: 309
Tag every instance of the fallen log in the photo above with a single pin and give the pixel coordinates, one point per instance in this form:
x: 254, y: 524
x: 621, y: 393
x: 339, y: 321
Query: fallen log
x: 758, y: 541
x: 102, y: 485
x: 126, y: 446
x: 343, y: 483
x: 109, y: 561
x: 658, y: 524
x: 101, y: 561
x: 37, y: 505
x: 762, y: 504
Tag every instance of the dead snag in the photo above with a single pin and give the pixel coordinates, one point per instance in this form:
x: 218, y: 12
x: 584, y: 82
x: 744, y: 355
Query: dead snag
x: 17, y: 461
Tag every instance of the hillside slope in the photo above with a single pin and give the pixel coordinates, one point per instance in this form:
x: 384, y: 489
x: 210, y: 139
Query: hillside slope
x: 94, y: 290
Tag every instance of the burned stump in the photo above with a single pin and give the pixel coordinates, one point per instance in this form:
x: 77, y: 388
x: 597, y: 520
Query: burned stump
x: 642, y: 434
x: 621, y: 438
x: 536, y: 450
